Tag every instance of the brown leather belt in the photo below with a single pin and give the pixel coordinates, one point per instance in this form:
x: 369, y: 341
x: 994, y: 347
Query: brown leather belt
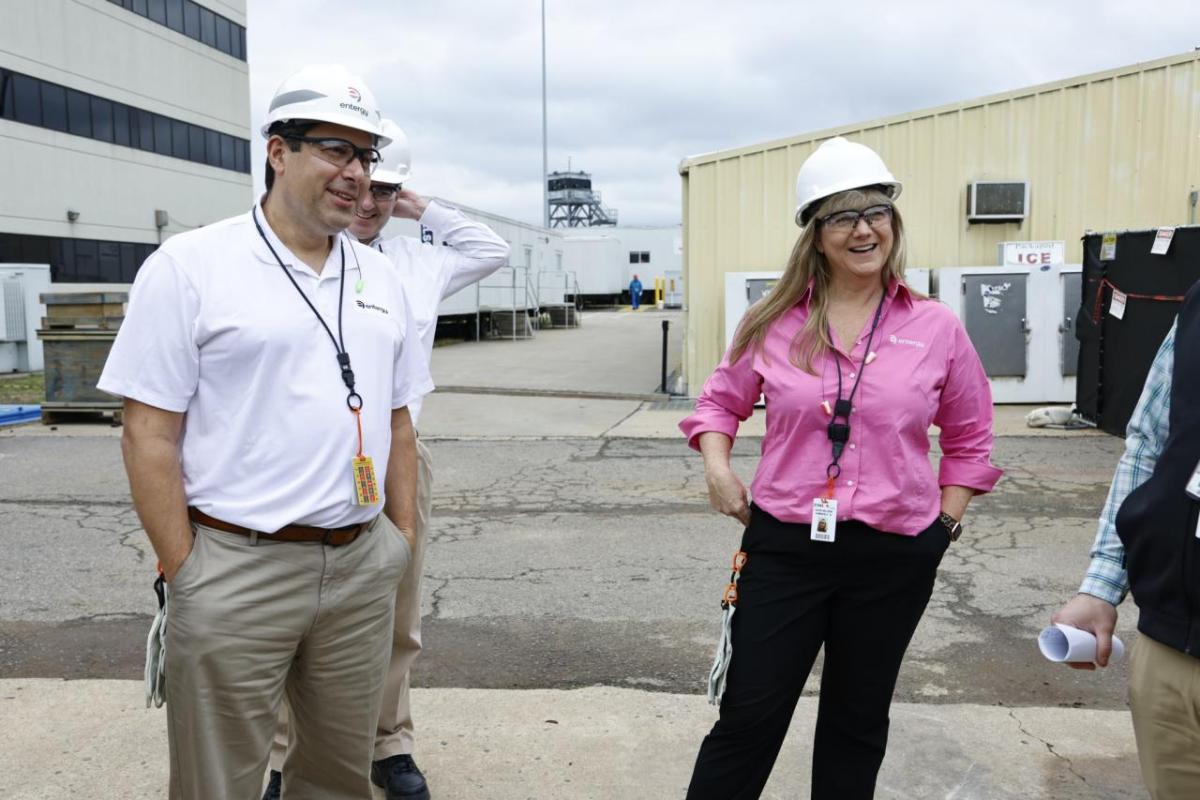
x: 332, y: 537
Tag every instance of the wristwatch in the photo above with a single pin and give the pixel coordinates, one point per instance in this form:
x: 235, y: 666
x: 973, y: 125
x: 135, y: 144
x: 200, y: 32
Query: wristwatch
x: 953, y: 526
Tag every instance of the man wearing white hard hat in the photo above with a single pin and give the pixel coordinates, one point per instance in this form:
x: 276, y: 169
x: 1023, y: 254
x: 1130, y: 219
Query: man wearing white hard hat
x: 272, y: 459
x: 459, y: 253
x: 841, y: 544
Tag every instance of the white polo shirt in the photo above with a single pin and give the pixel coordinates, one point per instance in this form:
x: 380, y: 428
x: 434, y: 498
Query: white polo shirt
x: 215, y: 330
x: 431, y: 272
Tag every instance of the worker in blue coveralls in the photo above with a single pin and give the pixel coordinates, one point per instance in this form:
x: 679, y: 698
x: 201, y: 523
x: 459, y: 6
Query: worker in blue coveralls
x: 635, y: 292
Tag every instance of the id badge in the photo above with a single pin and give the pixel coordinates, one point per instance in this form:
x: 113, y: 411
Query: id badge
x: 365, y: 486
x: 824, y: 519
x: 1193, y: 485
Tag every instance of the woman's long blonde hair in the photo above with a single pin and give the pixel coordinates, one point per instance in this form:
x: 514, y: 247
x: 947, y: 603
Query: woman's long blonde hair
x: 807, y: 264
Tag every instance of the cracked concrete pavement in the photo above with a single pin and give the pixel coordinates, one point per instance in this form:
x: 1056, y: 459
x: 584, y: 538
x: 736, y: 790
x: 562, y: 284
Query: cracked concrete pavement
x: 570, y: 600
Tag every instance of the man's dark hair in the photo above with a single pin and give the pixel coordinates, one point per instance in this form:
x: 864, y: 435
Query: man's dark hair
x: 286, y: 128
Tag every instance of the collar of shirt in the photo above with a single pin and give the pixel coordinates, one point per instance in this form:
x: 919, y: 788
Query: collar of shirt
x: 333, y: 262
x: 895, y: 290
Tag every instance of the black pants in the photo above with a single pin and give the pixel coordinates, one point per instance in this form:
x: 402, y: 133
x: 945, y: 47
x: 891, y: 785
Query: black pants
x: 861, y: 597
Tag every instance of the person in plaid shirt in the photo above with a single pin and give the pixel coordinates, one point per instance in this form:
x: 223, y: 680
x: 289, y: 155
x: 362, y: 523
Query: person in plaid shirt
x: 1146, y: 542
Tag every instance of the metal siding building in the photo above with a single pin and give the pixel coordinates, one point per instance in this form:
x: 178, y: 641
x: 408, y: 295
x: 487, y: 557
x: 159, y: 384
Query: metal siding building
x: 1112, y: 150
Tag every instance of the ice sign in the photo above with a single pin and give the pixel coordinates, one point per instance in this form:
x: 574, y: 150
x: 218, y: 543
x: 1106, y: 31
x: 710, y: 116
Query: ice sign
x: 993, y: 295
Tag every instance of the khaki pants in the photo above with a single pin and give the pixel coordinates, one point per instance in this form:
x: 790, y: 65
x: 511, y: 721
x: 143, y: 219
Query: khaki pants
x: 1164, y: 698
x: 394, y: 734
x: 250, y: 621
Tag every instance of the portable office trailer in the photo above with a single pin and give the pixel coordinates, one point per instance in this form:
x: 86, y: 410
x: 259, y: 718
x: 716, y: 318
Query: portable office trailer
x: 1112, y: 150
x: 598, y: 261
x: 615, y: 255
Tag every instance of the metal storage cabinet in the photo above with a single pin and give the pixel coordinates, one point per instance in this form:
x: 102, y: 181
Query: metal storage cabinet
x: 1021, y: 321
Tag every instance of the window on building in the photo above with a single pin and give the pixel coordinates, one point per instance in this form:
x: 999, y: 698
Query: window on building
x: 28, y: 99
x: 48, y: 105
x: 108, y: 262
x: 633, y: 257
x: 223, y: 35
x: 212, y: 148
x: 87, y: 267
x: 179, y: 139
x: 54, y: 107
x: 175, y: 15
x: 208, y: 27
x: 191, y: 20
x: 102, y: 119
x: 196, y: 143
x: 241, y: 156
x: 158, y: 11
x: 79, y: 113
x: 129, y: 262
x: 194, y: 21
x: 162, y: 135
x: 145, y: 129
x: 7, y: 104
x: 645, y: 257
x: 227, y: 159
x: 121, y: 125
x: 77, y: 260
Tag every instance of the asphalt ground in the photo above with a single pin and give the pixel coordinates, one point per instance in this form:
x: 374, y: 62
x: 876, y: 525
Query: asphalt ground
x: 571, y: 605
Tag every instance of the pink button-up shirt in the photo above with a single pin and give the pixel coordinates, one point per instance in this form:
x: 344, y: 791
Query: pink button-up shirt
x: 925, y: 371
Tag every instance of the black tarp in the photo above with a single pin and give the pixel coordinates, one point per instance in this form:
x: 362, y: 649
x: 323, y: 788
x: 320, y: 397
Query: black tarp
x: 1115, y: 354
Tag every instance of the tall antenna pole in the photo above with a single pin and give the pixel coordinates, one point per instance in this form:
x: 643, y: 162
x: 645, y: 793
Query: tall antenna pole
x: 545, y: 160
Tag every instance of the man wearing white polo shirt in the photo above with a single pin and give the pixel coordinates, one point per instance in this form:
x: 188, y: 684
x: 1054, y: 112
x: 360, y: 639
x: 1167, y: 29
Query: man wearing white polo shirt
x: 267, y: 362
x: 460, y: 252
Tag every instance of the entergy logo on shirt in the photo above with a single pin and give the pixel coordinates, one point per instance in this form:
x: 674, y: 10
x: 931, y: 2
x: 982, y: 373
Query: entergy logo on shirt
x: 910, y: 342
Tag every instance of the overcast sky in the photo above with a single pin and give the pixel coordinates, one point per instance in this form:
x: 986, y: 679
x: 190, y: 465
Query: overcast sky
x: 633, y: 87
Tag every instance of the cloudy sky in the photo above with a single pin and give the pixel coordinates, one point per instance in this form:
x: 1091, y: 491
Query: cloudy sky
x: 633, y: 86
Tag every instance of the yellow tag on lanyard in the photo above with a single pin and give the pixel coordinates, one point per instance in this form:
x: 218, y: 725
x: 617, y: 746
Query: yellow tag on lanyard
x: 364, y: 480
x: 366, y: 488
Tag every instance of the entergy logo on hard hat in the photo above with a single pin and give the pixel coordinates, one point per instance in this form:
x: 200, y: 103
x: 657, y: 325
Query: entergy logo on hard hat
x: 354, y: 95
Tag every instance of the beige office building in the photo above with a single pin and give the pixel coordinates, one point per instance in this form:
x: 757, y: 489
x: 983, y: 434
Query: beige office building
x: 1113, y: 150
x: 122, y: 122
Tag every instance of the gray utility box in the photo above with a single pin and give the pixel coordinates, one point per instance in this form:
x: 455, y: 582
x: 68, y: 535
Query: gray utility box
x: 1021, y: 322
x: 77, y: 333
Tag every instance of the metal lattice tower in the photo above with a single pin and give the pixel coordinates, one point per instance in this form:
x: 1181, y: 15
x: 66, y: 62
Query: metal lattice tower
x: 573, y: 204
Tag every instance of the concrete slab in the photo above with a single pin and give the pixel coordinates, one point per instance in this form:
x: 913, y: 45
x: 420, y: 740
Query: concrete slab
x: 611, y: 352
x: 95, y: 739
x: 499, y: 416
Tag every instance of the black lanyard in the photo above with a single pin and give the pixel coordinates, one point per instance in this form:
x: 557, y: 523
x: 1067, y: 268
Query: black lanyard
x: 353, y: 399
x: 839, y: 432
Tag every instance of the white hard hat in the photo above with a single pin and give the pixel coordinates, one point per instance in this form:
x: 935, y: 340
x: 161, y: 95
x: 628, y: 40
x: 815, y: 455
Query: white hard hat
x: 836, y: 166
x: 327, y: 93
x: 395, y: 168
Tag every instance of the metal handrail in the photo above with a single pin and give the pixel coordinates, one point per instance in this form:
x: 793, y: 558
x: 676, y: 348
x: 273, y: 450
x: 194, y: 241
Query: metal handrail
x: 512, y: 286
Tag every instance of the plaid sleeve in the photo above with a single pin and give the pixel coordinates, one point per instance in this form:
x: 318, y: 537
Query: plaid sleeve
x: 1144, y: 439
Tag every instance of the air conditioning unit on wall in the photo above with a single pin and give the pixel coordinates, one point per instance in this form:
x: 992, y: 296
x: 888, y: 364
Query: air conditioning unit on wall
x: 997, y: 201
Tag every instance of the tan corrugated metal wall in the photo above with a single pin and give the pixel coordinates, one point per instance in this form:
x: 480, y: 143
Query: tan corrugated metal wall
x: 1110, y: 151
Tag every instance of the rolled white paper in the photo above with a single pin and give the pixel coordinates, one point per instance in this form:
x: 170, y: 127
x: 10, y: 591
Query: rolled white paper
x: 1061, y: 643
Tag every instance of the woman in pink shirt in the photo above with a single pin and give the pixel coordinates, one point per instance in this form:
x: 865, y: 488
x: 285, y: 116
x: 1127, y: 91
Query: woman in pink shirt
x: 848, y: 522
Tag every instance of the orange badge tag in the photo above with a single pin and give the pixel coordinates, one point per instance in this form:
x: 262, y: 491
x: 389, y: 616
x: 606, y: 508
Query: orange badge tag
x: 364, y: 481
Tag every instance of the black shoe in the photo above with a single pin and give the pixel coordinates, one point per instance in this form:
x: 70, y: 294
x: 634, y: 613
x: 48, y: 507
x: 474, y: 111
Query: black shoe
x: 274, y: 786
x: 399, y: 778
